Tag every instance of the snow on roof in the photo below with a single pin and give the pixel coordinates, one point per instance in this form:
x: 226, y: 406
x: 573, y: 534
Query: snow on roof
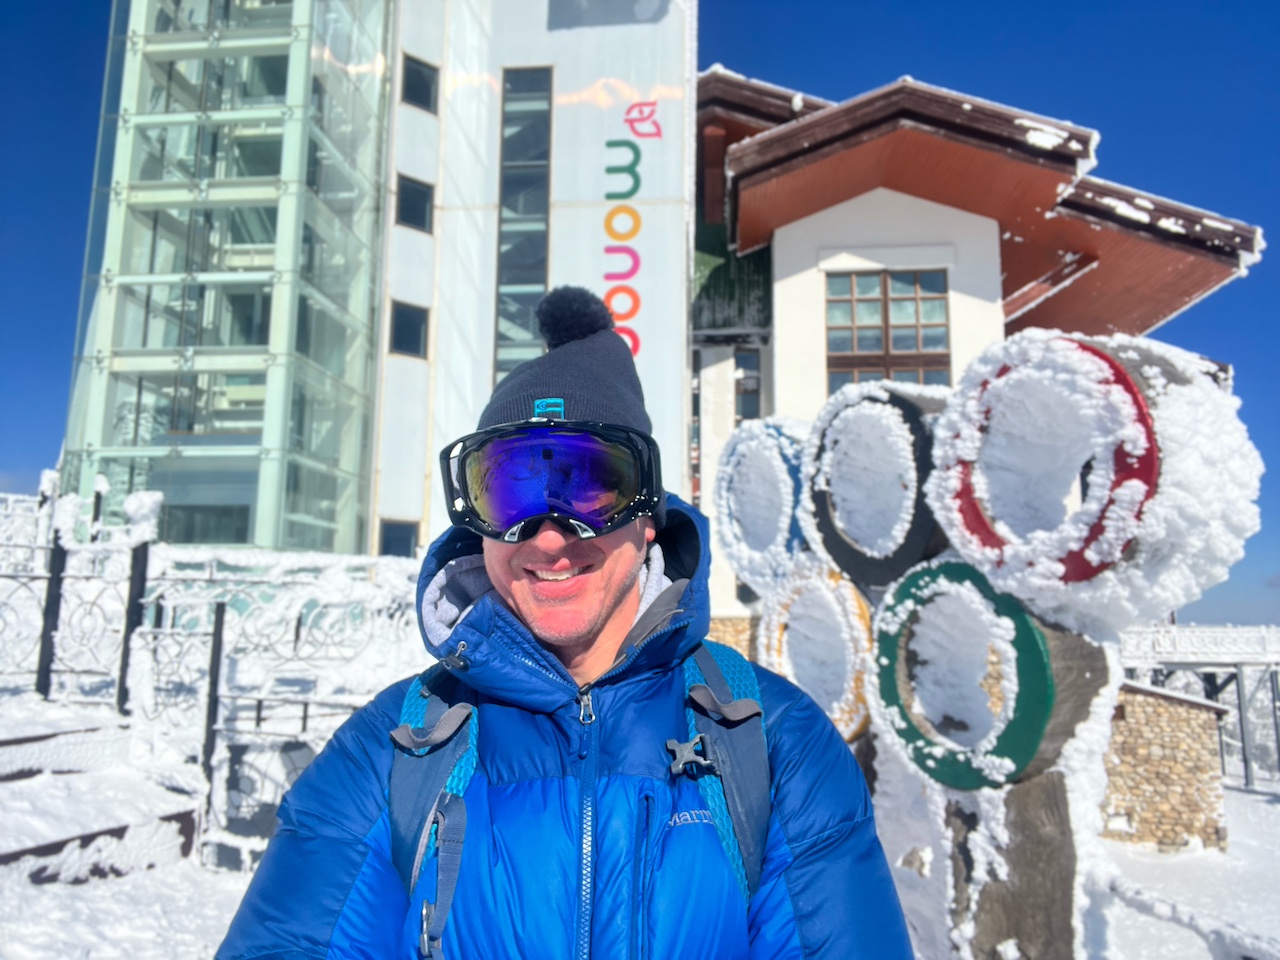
x: 1045, y: 132
x: 720, y: 70
x: 1176, y: 218
x: 1072, y: 142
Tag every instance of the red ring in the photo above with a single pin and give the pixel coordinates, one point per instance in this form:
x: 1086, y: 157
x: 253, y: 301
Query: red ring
x: 1144, y: 467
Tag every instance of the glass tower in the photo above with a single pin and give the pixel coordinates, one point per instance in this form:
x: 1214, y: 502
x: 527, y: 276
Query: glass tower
x: 225, y: 344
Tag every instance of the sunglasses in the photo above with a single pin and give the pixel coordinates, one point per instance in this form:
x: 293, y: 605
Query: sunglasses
x: 589, y: 478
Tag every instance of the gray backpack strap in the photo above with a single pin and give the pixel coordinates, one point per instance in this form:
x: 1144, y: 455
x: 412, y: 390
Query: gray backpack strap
x: 432, y: 765
x: 450, y: 821
x: 731, y: 729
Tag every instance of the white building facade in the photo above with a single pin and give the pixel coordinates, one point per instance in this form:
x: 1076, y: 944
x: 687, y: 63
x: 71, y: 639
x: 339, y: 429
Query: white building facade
x: 319, y: 230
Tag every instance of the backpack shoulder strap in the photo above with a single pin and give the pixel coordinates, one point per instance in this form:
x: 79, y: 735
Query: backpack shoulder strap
x: 727, y: 722
x: 435, y: 758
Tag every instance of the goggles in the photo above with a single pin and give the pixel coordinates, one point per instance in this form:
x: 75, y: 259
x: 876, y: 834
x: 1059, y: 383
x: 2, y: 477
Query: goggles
x: 590, y: 478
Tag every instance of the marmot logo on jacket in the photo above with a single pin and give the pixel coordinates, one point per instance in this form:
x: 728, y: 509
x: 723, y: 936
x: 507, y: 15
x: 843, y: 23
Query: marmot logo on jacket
x: 681, y: 817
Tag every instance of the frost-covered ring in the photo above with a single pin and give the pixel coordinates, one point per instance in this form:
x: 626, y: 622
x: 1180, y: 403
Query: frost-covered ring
x: 757, y: 486
x: 964, y: 676
x: 1130, y: 474
x: 865, y: 466
x: 816, y: 631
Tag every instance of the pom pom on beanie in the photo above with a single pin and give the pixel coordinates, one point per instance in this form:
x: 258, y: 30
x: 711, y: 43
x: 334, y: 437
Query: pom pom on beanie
x: 587, y: 366
x: 571, y: 313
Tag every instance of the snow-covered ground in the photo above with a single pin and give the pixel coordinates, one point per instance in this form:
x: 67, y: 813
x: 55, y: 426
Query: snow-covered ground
x: 1240, y: 886
x: 175, y: 912
x: 182, y: 910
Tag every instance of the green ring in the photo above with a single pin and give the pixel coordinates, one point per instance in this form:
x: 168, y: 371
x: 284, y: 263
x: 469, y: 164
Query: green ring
x: 1021, y: 738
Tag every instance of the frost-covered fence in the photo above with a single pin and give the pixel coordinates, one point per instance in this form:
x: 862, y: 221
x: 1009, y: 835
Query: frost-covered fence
x: 1238, y: 667
x: 249, y: 660
x: 25, y: 547
x: 236, y: 663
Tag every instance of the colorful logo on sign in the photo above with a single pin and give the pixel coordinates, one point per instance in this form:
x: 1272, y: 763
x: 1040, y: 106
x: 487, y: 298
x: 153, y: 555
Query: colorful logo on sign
x: 642, y: 119
x: 622, y: 223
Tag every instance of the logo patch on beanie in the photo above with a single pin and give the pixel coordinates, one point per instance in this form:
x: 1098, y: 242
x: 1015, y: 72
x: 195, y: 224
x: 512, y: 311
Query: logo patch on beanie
x: 549, y: 407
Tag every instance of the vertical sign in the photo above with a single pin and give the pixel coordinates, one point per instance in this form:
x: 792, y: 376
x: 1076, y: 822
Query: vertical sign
x: 621, y: 198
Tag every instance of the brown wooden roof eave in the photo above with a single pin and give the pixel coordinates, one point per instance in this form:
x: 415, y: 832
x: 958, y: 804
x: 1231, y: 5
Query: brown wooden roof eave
x: 1165, y: 221
x: 1011, y: 131
x: 1061, y: 175
x: 764, y: 103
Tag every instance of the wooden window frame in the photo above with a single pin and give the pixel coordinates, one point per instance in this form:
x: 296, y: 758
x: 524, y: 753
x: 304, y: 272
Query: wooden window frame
x: 887, y: 361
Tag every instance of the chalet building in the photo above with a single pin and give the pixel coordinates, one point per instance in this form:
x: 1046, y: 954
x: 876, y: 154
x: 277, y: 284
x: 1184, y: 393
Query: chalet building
x: 900, y: 233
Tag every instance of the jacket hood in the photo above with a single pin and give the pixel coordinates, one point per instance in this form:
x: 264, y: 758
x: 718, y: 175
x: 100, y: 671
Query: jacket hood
x: 466, y: 625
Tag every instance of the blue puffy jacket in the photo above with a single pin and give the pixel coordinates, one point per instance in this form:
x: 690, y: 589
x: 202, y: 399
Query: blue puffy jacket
x: 636, y: 871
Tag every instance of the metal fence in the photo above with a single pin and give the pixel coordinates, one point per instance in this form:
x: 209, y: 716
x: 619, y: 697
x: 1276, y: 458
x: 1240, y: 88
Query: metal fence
x: 24, y: 577
x: 1235, y: 667
x: 236, y: 663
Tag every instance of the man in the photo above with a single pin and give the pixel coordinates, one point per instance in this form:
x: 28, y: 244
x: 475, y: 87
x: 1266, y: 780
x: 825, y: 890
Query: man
x: 567, y: 606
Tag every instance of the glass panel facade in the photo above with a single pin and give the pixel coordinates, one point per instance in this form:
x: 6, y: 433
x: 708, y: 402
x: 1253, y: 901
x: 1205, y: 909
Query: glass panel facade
x: 524, y: 187
x: 165, y: 316
x: 231, y: 241
x: 186, y: 409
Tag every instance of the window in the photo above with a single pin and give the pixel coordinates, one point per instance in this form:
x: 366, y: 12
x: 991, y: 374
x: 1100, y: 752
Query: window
x: 695, y: 429
x: 413, y: 203
x: 321, y: 337
x: 250, y: 317
x: 399, y: 539
x: 204, y: 524
x: 746, y: 385
x: 523, y: 189
x: 408, y: 329
x: 419, y: 84
x: 889, y: 324
x: 186, y: 409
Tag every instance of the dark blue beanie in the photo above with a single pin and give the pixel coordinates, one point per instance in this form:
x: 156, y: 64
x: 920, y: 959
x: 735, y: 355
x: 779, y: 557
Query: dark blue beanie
x: 587, y: 366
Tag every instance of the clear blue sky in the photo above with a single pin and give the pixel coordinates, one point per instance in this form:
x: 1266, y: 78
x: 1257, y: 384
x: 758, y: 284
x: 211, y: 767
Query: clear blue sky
x: 1186, y: 95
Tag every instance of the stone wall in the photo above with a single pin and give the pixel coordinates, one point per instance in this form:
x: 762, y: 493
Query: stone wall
x: 736, y: 632
x: 1164, y: 776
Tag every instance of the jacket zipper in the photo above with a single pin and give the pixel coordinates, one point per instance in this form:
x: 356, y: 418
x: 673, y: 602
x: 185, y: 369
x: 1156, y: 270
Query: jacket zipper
x: 588, y: 752
x: 640, y: 879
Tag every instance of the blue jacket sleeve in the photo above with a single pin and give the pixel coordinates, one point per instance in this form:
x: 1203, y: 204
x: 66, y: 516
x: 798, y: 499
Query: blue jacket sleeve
x: 325, y: 886
x: 825, y: 891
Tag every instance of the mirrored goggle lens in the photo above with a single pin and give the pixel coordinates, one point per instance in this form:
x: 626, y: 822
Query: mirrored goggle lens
x: 544, y: 470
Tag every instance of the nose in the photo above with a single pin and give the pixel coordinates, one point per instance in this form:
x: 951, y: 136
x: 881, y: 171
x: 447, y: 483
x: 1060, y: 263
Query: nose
x: 551, y: 537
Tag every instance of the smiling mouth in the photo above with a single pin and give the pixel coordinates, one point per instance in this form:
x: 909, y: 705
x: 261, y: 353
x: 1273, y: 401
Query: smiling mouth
x: 557, y: 575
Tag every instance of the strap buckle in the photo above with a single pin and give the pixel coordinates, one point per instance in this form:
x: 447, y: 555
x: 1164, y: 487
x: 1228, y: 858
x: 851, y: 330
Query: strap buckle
x: 688, y: 759
x: 424, y: 941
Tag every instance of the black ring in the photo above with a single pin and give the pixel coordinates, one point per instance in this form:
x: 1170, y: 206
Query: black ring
x: 924, y: 539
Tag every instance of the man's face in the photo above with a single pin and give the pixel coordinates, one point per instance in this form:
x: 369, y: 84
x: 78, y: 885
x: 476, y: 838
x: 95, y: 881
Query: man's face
x: 570, y: 592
